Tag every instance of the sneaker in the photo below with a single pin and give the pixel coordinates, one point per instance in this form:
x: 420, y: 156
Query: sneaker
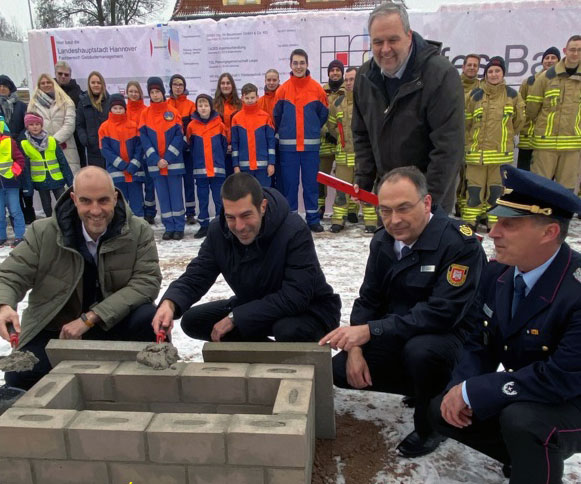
x: 336, y: 228
x: 316, y: 227
x: 370, y: 229
x: 191, y: 219
x: 16, y: 242
x: 178, y: 235
x: 352, y: 218
x: 2, y: 242
x: 167, y: 236
x: 200, y: 234
x: 149, y: 219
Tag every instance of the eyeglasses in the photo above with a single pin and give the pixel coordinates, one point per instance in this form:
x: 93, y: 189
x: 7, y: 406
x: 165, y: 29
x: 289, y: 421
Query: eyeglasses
x: 406, y: 208
x: 573, y: 51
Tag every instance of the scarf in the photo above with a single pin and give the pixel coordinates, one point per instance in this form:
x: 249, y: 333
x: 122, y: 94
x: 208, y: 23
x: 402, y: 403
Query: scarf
x: 7, y: 104
x: 44, y: 99
x: 40, y: 142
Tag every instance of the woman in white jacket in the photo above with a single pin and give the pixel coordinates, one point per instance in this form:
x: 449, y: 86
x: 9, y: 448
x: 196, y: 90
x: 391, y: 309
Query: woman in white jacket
x: 59, y: 114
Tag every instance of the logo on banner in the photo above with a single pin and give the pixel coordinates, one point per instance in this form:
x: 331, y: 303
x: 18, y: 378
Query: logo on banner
x: 351, y: 50
x: 165, y: 40
x: 457, y: 275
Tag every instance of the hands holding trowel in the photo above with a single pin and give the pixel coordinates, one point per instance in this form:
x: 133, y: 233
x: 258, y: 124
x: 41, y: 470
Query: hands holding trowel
x: 163, y: 319
x: 8, y: 318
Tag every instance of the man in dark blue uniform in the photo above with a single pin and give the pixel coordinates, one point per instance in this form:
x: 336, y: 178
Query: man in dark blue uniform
x: 527, y: 416
x: 421, y: 278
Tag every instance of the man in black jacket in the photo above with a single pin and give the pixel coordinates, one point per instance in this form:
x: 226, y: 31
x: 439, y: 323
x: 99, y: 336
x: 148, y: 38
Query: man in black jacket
x: 406, y: 328
x: 408, y: 107
x: 267, y: 256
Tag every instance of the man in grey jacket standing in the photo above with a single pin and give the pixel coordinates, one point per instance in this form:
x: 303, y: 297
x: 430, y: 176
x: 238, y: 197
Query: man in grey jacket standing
x: 92, y: 269
x: 408, y: 107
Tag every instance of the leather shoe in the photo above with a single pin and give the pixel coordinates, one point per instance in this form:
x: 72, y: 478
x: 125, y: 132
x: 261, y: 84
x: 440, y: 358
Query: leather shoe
x: 316, y: 228
x: 352, y: 218
x: 200, y: 234
x: 167, y: 236
x: 336, y: 228
x: 415, y: 446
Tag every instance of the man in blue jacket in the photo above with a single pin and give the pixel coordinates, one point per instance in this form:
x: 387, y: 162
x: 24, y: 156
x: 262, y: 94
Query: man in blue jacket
x: 528, y: 415
x: 267, y: 256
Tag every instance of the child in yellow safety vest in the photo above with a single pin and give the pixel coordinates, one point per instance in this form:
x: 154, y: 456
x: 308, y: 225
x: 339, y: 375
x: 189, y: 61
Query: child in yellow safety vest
x: 49, y: 169
x: 11, y: 169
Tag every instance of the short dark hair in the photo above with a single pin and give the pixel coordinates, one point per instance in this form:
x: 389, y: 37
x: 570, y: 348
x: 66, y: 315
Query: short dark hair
x: 412, y: 173
x: 474, y: 56
x: 239, y: 185
x: 563, y: 224
x: 573, y: 38
x: 248, y: 88
x: 349, y: 69
x: 300, y: 52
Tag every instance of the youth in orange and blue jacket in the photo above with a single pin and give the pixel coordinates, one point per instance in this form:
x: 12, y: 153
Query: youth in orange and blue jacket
x: 162, y: 136
x: 253, y: 147
x: 186, y: 108
x: 300, y: 112
x: 208, y: 146
x: 121, y: 148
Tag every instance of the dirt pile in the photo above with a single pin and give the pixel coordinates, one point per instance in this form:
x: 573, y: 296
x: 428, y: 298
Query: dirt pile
x: 158, y: 356
x: 18, y: 361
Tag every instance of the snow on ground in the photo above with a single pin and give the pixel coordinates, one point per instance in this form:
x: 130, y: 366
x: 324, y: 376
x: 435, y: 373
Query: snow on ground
x: 343, y: 257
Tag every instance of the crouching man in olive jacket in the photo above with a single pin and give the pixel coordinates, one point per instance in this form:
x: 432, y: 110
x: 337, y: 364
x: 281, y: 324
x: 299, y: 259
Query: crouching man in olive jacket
x: 93, y: 272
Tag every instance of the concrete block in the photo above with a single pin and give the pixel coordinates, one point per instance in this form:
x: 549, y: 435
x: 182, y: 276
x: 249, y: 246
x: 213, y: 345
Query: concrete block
x: 147, y: 474
x: 286, y: 476
x: 294, y: 397
x: 70, y: 472
x: 59, y: 350
x: 34, y: 433
x: 224, y: 383
x: 268, y: 440
x: 110, y: 436
x: 94, y: 377
x: 175, y: 438
x: 117, y: 406
x: 225, y: 475
x: 53, y: 391
x: 178, y: 407
x: 245, y: 409
x: 134, y: 382
x: 264, y: 380
x: 291, y: 354
x: 15, y: 471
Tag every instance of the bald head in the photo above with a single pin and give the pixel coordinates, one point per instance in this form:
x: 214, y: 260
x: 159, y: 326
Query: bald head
x: 95, y: 198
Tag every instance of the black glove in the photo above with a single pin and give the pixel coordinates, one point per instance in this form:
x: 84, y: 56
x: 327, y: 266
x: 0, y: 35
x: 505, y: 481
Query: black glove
x: 329, y: 138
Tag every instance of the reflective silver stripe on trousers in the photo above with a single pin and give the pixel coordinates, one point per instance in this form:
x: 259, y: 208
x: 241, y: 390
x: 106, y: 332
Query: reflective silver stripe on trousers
x: 258, y: 163
x: 117, y: 174
x: 199, y: 171
x: 220, y: 170
x: 149, y: 151
x: 190, y: 204
x: 174, y: 150
x: 148, y: 203
x: 288, y: 141
x: 172, y: 214
x: 311, y: 211
x: 312, y: 141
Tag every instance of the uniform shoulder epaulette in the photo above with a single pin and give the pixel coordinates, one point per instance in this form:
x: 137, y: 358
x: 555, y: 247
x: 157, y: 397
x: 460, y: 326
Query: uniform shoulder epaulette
x: 510, y: 92
x: 339, y: 100
x: 531, y: 80
x: 551, y: 73
x: 477, y: 94
x: 465, y: 230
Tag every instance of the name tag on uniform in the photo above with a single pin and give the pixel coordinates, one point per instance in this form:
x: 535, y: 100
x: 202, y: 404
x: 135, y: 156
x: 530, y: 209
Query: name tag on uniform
x: 427, y: 268
x: 489, y: 312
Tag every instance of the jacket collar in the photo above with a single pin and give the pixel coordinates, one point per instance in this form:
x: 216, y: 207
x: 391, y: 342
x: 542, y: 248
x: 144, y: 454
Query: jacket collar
x: 561, y: 70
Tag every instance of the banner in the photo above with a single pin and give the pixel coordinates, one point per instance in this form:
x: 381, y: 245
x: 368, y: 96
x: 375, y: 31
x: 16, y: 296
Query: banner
x: 246, y: 47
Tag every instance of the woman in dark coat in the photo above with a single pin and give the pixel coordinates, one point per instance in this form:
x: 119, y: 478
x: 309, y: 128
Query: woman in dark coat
x: 91, y: 112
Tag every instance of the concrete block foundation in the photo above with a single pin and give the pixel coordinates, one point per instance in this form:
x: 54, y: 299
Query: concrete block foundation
x: 115, y: 421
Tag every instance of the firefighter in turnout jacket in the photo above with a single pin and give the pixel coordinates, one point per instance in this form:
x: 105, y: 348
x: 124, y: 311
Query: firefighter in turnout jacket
x: 121, y: 147
x: 162, y: 136
x: 253, y: 148
x: 339, y: 127
x: 554, y: 106
x: 525, y: 140
x: 335, y: 88
x: 300, y: 112
x: 494, y: 114
x: 207, y: 137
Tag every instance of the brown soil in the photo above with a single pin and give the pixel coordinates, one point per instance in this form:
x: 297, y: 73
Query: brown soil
x: 359, y: 447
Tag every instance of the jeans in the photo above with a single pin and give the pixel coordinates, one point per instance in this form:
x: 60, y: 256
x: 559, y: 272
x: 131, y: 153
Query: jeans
x: 10, y: 197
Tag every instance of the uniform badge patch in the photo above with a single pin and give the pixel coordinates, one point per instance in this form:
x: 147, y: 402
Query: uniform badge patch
x: 168, y: 116
x: 508, y: 389
x: 457, y: 275
x: 465, y: 230
x: 577, y: 274
x: 489, y: 312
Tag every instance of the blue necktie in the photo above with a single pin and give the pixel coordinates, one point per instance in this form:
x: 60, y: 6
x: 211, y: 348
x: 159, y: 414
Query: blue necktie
x: 519, y: 292
x: 405, y: 251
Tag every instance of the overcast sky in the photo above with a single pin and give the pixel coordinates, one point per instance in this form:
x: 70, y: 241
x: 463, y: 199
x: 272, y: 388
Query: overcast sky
x: 17, y: 11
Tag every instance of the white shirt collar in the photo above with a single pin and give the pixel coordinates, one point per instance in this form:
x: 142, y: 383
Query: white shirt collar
x: 399, y: 73
x: 531, y: 277
x: 398, y: 245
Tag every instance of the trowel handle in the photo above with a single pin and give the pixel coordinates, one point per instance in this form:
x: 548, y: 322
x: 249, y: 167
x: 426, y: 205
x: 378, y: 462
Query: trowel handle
x: 13, y: 335
x: 161, y: 336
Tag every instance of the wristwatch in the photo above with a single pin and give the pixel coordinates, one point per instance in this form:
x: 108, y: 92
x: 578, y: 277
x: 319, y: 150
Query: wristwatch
x: 231, y: 316
x: 85, y: 319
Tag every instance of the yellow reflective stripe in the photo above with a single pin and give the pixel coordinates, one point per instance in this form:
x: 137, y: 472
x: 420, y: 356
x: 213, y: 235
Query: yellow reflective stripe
x: 534, y: 99
x: 549, y: 128
x: 578, y: 121
x: 552, y: 92
x: 504, y: 132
